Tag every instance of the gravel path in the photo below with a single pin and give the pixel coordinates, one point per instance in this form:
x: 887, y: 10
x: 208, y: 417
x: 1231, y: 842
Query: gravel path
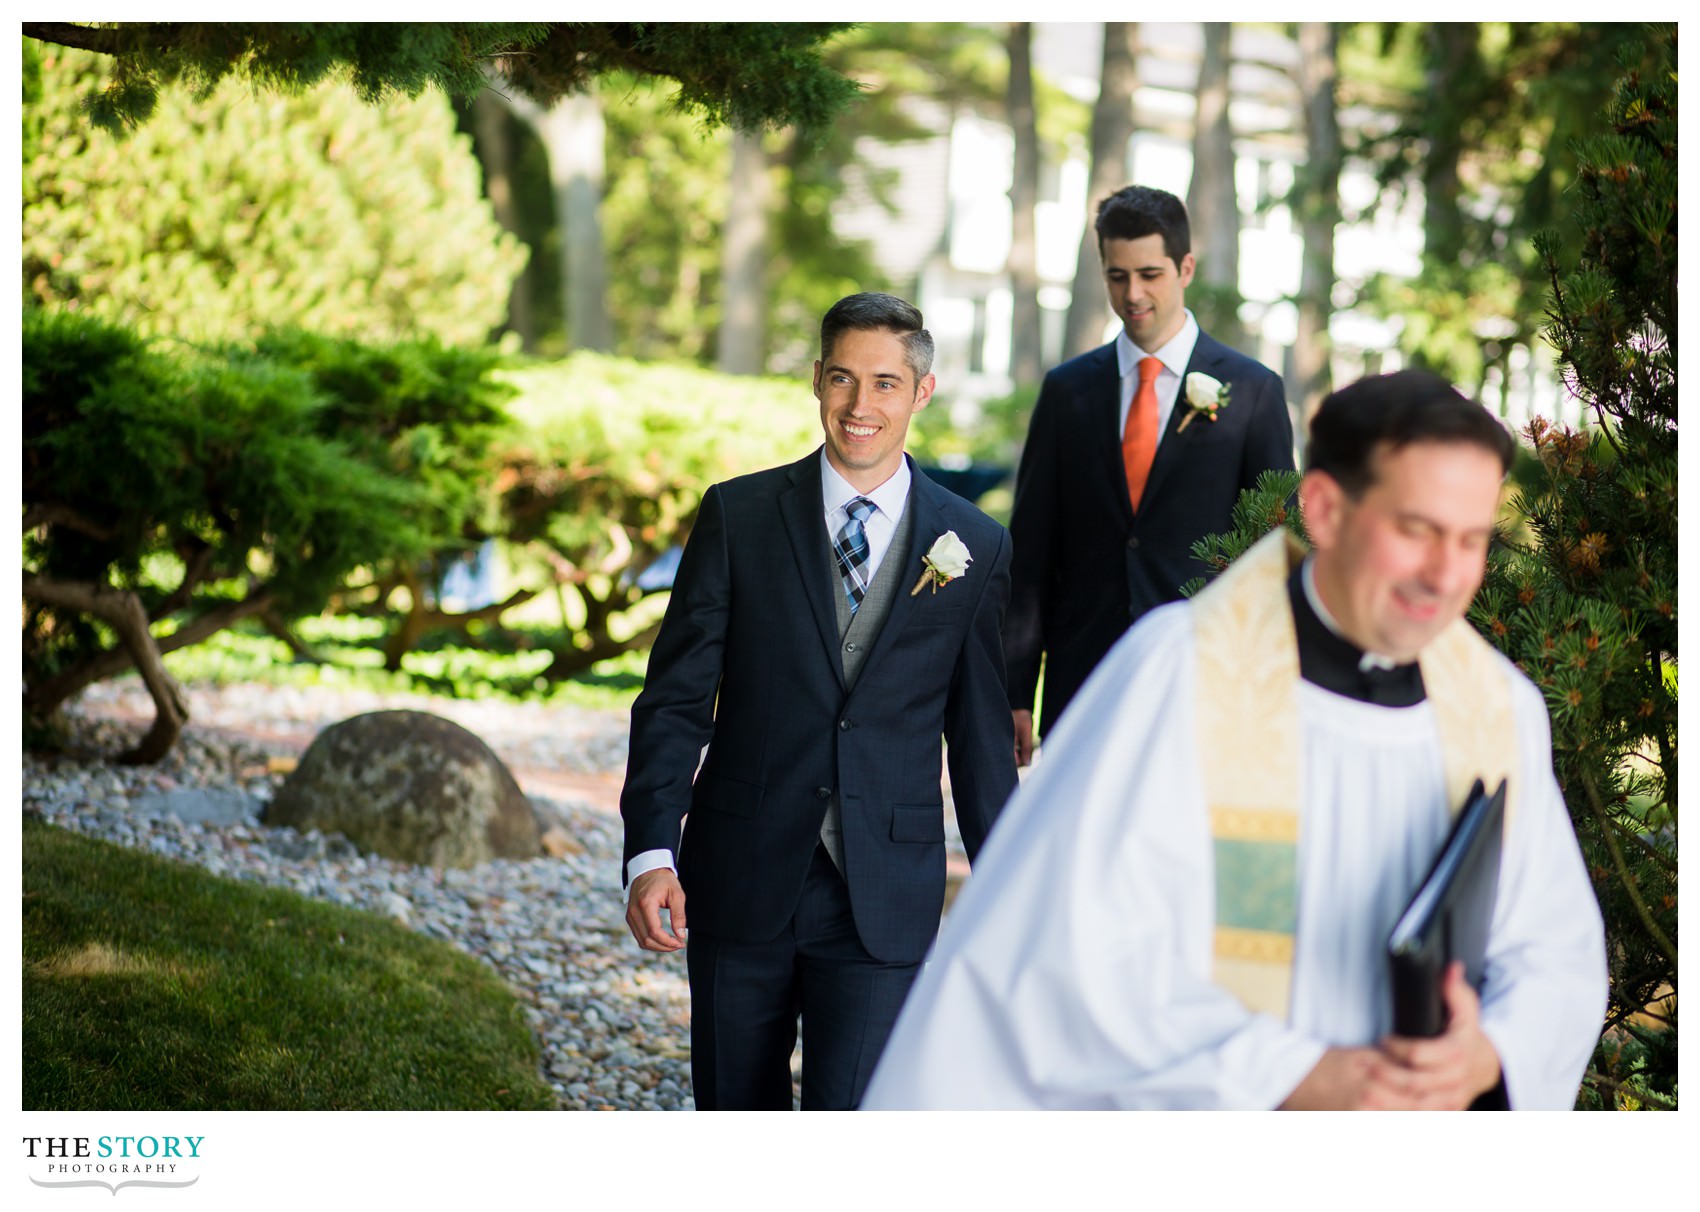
x: 613, y: 1021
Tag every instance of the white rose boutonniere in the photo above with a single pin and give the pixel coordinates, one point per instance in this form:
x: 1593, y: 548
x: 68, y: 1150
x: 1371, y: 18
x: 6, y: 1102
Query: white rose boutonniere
x: 1206, y: 395
x: 946, y: 560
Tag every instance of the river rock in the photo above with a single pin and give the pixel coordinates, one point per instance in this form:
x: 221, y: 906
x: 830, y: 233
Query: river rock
x: 410, y: 786
x: 210, y: 806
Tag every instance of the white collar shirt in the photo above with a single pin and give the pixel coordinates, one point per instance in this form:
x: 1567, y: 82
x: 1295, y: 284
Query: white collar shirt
x: 889, y: 500
x: 1174, y: 354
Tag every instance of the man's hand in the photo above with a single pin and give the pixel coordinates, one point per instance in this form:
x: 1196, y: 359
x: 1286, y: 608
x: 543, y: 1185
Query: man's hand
x: 1345, y: 1079
x: 1023, y: 737
x: 1445, y: 1073
x: 650, y: 893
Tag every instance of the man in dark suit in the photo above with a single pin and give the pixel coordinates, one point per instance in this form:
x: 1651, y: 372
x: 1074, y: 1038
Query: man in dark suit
x: 1131, y: 457
x: 824, y: 633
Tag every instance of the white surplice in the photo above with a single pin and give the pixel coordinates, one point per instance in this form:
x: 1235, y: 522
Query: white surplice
x: 1074, y: 969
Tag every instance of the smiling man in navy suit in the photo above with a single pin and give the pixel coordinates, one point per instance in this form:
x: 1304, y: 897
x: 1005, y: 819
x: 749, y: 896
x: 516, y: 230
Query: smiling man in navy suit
x: 831, y: 622
x: 1136, y: 450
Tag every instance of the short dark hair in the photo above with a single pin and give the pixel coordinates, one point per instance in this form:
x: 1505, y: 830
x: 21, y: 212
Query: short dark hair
x: 1136, y: 211
x: 1388, y: 412
x: 872, y: 311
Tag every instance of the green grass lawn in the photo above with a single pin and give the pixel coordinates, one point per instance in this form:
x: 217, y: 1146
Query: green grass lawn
x: 151, y: 985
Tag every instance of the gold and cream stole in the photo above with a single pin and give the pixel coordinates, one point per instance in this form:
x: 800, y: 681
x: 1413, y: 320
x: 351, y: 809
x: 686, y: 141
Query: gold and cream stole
x: 1250, y: 748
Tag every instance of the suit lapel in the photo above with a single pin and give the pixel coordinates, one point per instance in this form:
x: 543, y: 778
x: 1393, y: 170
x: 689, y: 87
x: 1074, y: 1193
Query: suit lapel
x: 1104, y: 417
x: 800, y: 507
x: 926, y: 503
x: 1205, y: 356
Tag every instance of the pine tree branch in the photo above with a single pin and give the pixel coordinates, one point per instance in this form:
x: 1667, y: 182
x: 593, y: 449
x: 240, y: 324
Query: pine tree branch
x: 195, y: 570
x: 53, y: 513
x: 102, y: 41
x: 1663, y: 943
x: 1610, y: 1088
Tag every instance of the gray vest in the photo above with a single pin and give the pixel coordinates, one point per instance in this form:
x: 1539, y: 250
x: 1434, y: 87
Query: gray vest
x: 856, y: 635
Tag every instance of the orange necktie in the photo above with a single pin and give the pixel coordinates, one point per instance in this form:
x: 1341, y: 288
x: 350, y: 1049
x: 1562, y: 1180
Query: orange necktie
x: 1139, y: 440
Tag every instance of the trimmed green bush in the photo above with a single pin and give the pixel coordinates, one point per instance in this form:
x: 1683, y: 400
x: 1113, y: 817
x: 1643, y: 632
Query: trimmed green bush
x: 607, y: 467
x: 187, y: 488
x: 227, y: 214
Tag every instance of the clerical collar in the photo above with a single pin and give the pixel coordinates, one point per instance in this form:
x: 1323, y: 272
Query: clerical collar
x: 1329, y: 660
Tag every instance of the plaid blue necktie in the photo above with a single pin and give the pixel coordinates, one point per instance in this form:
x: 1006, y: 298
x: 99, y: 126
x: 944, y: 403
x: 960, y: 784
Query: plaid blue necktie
x: 850, y: 549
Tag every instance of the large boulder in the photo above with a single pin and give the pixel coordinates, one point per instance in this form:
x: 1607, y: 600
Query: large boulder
x: 410, y: 786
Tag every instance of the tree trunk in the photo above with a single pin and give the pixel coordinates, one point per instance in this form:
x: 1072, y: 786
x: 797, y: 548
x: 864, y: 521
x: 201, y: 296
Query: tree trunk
x: 1319, y: 213
x: 1026, y: 354
x: 274, y: 622
x: 570, y: 662
x: 742, y: 347
x: 573, y: 135
x: 1112, y: 127
x: 411, y: 625
x: 123, y: 611
x: 490, y: 119
x: 1212, y: 202
x: 46, y: 697
x: 1452, y: 59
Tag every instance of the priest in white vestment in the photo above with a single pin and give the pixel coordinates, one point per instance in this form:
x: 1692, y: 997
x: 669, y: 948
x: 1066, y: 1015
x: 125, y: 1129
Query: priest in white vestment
x: 1293, y: 741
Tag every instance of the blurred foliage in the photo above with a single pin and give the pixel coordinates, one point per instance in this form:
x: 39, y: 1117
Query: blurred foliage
x: 666, y: 180
x: 209, y: 463
x: 1587, y: 603
x: 428, y: 412
x: 1479, y: 118
x: 604, y: 473
x: 749, y: 74
x: 663, y: 206
x: 666, y: 299
x: 300, y: 473
x: 231, y: 213
x: 1634, y: 1070
x: 487, y: 660
x: 949, y: 433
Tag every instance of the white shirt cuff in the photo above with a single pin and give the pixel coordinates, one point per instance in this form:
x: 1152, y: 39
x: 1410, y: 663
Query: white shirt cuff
x: 649, y: 860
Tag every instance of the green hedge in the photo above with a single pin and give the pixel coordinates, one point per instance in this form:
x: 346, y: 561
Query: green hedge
x: 301, y: 473
x: 605, y: 468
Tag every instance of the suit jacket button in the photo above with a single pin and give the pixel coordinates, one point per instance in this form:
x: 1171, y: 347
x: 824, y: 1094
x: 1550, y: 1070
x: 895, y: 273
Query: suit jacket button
x: 823, y: 793
x: 850, y: 647
x: 1133, y: 543
x: 844, y: 725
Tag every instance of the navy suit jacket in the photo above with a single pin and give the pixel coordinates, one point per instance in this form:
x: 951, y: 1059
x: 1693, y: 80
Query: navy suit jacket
x: 747, y: 663
x: 1085, y: 567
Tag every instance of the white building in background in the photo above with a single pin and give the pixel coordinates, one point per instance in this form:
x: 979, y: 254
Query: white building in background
x: 950, y: 232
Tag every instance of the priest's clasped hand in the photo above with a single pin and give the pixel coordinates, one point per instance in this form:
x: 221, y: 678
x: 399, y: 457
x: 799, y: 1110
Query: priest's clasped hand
x: 1445, y: 1073
x: 652, y: 892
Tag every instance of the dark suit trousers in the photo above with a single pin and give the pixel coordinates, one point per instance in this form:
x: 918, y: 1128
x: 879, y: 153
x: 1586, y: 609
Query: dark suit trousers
x: 746, y: 998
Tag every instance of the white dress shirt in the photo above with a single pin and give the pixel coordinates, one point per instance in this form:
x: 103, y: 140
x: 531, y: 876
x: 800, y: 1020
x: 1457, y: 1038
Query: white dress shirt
x: 1174, y: 354
x: 889, y: 499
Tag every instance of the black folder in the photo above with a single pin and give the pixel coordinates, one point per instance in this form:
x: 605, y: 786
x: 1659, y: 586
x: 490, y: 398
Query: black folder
x: 1448, y: 917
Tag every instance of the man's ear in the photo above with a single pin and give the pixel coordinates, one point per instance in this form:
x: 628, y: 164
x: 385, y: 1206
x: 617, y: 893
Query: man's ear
x: 1187, y: 267
x: 923, y: 393
x: 1321, y: 505
x: 817, y: 379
